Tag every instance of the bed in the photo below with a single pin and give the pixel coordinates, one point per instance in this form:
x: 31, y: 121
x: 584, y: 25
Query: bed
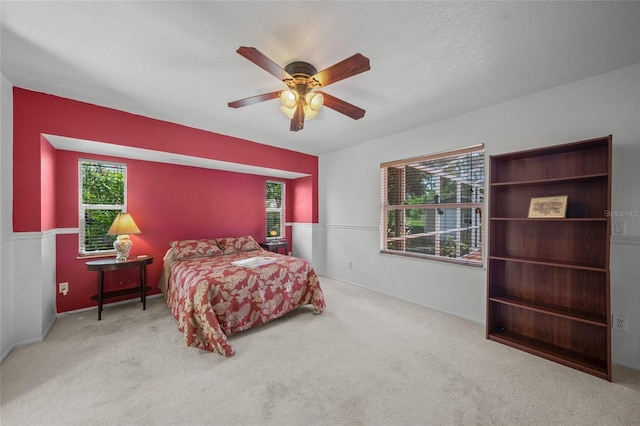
x: 218, y: 287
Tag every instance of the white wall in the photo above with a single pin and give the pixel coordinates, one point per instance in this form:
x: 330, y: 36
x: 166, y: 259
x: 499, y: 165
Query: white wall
x: 307, y: 244
x: 7, y: 336
x: 350, y: 195
x: 27, y: 259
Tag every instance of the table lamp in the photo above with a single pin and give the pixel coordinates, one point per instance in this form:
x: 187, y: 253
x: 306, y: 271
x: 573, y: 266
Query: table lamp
x: 122, y: 226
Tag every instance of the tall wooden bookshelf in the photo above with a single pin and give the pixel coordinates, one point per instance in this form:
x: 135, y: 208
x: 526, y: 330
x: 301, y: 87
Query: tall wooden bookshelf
x: 548, y: 279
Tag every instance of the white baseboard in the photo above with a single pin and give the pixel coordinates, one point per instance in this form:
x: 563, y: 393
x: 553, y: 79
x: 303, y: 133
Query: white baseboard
x: 413, y: 302
x: 6, y: 354
x: 626, y: 364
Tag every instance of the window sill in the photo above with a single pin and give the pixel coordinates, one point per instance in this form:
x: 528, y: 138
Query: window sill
x: 440, y: 259
x: 96, y: 255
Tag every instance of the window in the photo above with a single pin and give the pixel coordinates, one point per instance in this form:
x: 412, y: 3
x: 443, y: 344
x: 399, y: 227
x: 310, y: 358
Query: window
x: 275, y: 210
x: 102, y: 196
x: 432, y: 206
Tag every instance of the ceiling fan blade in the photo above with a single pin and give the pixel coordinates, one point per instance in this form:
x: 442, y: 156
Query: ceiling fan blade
x: 297, y: 122
x: 254, y: 99
x: 343, y: 107
x: 349, y: 67
x: 261, y: 60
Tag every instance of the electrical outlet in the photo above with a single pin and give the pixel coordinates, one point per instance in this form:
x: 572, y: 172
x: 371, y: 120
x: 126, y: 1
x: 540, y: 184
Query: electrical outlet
x: 63, y: 288
x: 619, y: 323
x: 350, y: 265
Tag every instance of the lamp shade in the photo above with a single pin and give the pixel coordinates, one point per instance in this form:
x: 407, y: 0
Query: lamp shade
x: 123, y: 224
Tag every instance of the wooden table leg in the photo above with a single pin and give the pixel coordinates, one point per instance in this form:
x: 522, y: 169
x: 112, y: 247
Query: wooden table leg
x: 100, y: 292
x: 143, y: 285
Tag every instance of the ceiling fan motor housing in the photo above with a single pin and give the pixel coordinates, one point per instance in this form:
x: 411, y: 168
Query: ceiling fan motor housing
x: 301, y: 71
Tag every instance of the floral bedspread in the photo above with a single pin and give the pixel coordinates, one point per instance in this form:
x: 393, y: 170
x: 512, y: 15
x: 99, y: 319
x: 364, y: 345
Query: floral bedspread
x: 212, y: 299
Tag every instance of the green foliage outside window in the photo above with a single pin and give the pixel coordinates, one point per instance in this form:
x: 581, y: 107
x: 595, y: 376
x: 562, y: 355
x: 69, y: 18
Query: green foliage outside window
x: 274, y: 193
x: 102, y: 198
x: 273, y: 196
x: 97, y: 224
x: 102, y: 184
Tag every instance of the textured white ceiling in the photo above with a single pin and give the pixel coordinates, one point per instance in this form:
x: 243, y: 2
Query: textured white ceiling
x: 177, y: 61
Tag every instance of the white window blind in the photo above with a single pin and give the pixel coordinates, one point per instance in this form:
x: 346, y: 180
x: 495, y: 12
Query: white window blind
x: 432, y: 206
x: 102, y: 195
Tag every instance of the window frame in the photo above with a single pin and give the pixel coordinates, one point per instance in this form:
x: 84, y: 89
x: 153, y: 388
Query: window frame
x: 83, y: 207
x: 466, y: 210
x: 281, y: 210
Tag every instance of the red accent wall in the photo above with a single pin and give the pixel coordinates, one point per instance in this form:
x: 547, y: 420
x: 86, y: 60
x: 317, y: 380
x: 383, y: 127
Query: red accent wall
x: 168, y: 202
x: 301, y: 201
x: 47, y: 184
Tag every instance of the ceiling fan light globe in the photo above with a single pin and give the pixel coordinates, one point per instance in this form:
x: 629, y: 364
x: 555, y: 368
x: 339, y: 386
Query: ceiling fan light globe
x: 289, y: 99
x: 314, y: 101
x: 309, y: 113
x: 288, y: 111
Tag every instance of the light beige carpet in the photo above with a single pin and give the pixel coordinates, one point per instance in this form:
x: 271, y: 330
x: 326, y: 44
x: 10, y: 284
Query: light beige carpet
x: 368, y: 360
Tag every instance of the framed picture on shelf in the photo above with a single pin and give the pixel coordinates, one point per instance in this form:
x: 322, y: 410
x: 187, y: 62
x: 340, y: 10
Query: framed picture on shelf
x: 548, y: 207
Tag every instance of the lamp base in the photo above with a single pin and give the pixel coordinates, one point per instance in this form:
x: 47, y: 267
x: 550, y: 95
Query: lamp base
x: 122, y: 245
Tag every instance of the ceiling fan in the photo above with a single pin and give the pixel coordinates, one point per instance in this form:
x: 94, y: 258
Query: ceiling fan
x: 303, y: 99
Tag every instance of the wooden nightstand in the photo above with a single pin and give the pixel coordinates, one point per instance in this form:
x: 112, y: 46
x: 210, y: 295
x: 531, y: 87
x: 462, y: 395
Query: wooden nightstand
x: 275, y: 246
x: 111, y: 265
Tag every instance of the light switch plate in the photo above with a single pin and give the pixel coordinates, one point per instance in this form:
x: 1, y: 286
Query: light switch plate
x: 618, y: 228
